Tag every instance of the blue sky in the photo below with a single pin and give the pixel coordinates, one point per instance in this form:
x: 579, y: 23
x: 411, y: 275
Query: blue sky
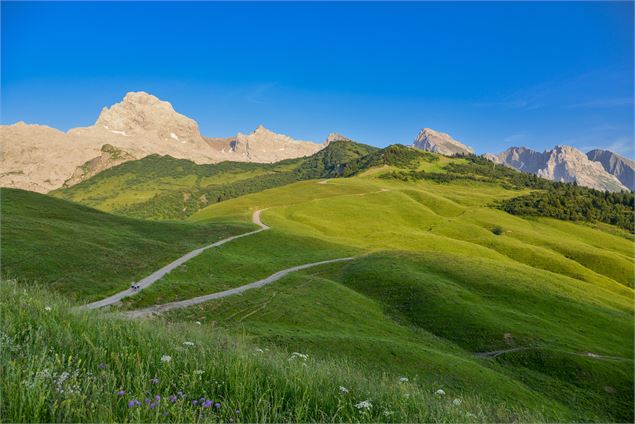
x: 490, y: 74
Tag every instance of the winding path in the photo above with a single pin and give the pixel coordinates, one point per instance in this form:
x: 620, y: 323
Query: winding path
x: 152, y: 278
x: 205, y: 298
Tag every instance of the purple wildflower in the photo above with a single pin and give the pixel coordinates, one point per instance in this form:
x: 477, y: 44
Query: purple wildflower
x: 173, y: 398
x: 207, y: 404
x: 194, y: 402
x: 217, y: 405
x: 154, y: 381
x: 147, y: 400
x: 120, y: 393
x: 152, y: 405
x: 157, y: 398
x: 131, y: 403
x: 180, y: 393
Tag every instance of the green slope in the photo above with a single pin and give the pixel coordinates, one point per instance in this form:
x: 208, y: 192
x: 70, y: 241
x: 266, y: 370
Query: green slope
x: 161, y: 187
x: 87, y: 254
x: 547, y: 286
x: 442, y: 274
x: 60, y: 365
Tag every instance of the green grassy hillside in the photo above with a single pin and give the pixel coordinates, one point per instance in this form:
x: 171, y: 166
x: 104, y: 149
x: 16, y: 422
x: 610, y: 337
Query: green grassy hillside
x: 161, y: 187
x: 60, y: 365
x: 447, y: 289
x: 87, y: 254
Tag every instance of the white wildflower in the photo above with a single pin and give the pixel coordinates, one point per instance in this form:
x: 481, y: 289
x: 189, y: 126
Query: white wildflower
x: 343, y: 390
x: 403, y: 379
x: 457, y: 402
x: 364, y: 405
x: 388, y: 413
x: 188, y: 343
x: 258, y: 350
x: 198, y: 372
x: 48, y: 308
x: 440, y: 392
x: 302, y: 356
x: 166, y: 358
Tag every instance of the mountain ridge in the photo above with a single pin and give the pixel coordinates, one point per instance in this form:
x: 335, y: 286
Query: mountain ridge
x: 41, y: 158
x: 562, y: 163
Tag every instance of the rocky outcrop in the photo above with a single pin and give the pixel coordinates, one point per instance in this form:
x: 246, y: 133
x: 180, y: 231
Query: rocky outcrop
x: 110, y: 156
x: 40, y: 158
x: 622, y: 168
x: 562, y: 163
x: 438, y: 142
x: 336, y: 137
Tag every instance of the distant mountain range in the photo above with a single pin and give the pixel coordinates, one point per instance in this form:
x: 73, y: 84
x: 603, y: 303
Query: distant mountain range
x: 41, y: 158
x: 599, y: 169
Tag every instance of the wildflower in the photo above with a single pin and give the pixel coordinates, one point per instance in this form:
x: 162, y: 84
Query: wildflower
x: 217, y: 405
x: 295, y: 355
x: 343, y: 390
x: 101, y: 366
x: 388, y: 413
x: 440, y: 392
x: 237, y: 412
x: 365, y: 405
x: 403, y: 379
x: 154, y: 381
x: 120, y: 393
x: 194, y: 402
x: 133, y: 402
x: 172, y: 398
x: 457, y: 402
x: 198, y: 372
x: 152, y: 405
x: 157, y: 398
x: 207, y: 403
x: 180, y: 393
x: 166, y: 358
x: 258, y: 350
x: 146, y: 400
x: 188, y: 343
x: 48, y: 308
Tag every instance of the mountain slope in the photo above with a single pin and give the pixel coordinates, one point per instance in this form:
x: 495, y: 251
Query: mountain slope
x: 40, y: 158
x: 166, y: 188
x: 85, y: 253
x: 614, y: 164
x: 562, y: 163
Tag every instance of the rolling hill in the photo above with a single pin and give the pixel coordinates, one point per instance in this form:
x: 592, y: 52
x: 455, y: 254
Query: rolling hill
x: 447, y: 289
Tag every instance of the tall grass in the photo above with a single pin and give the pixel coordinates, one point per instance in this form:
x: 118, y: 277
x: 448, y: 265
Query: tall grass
x: 64, y: 365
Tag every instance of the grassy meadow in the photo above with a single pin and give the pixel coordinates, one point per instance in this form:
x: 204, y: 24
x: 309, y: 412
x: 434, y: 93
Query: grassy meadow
x: 516, y: 318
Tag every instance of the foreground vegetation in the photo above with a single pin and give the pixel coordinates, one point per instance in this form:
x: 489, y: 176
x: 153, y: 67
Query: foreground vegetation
x: 60, y: 365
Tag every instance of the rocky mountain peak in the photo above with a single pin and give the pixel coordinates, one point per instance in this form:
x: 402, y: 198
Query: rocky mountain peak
x: 439, y: 142
x: 140, y: 112
x: 336, y: 137
x: 562, y: 163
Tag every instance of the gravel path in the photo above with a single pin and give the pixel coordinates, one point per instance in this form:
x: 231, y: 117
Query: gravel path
x: 157, y: 275
x: 200, y: 299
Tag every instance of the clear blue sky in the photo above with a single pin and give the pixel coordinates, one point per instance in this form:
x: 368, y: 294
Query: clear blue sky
x: 490, y: 74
